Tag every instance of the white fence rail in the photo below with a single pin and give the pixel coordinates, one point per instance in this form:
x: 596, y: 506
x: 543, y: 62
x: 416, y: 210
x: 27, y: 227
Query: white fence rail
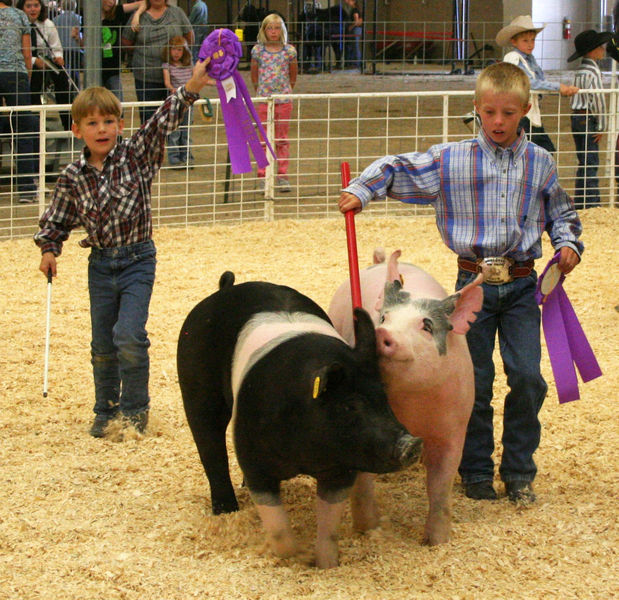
x: 324, y: 131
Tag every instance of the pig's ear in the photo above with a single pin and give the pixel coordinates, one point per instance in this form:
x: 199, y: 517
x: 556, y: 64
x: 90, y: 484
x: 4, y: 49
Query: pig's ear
x: 326, y: 376
x: 365, y: 336
x: 469, y: 301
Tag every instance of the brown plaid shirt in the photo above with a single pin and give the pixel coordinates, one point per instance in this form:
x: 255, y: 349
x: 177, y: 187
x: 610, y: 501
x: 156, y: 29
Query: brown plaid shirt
x: 114, y: 204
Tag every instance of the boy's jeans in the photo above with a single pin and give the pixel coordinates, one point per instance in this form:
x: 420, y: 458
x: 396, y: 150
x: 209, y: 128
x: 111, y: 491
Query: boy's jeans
x: 120, y: 283
x: 511, y: 310
x: 586, y: 190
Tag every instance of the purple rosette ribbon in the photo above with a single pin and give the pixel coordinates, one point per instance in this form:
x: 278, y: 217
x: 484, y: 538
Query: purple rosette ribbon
x: 565, y: 339
x: 225, y: 51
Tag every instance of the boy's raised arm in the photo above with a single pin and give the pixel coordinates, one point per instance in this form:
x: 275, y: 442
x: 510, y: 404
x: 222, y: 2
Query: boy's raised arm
x: 199, y: 78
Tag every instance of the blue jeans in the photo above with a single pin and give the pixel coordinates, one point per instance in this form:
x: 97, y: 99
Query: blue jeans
x: 120, y: 283
x: 147, y: 91
x: 587, y: 189
x: 15, y: 89
x: 352, y: 50
x: 511, y: 310
x: 179, y: 142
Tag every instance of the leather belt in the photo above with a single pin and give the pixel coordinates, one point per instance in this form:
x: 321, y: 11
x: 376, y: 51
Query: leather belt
x: 580, y: 111
x: 497, y: 269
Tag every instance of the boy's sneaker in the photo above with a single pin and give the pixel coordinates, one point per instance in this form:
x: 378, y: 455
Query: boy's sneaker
x: 282, y: 184
x: 97, y: 429
x: 480, y: 490
x: 139, y: 421
x: 520, y: 492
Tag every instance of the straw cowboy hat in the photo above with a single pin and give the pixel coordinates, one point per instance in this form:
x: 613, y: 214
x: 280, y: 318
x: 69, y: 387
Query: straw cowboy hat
x: 518, y: 25
x: 589, y: 40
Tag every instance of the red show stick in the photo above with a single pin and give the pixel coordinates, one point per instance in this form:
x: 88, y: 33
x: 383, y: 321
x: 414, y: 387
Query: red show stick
x: 351, y: 240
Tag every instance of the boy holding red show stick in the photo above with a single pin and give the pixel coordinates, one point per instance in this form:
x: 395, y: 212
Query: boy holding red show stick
x: 107, y: 192
x: 494, y: 196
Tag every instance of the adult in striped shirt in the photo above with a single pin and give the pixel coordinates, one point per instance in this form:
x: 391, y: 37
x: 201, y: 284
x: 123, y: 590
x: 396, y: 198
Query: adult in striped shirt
x: 589, y: 119
x: 107, y: 192
x: 494, y: 196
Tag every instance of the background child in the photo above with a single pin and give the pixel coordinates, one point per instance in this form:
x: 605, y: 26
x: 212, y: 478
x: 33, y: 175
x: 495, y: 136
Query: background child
x: 177, y: 68
x: 521, y: 192
x: 520, y: 35
x: 274, y: 71
x: 589, y: 118
x: 107, y: 192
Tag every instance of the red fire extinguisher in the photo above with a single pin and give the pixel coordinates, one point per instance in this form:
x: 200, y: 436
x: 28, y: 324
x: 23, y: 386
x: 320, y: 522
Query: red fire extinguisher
x: 567, y: 28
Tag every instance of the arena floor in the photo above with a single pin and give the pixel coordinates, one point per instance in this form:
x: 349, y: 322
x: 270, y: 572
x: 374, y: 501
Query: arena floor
x: 129, y: 517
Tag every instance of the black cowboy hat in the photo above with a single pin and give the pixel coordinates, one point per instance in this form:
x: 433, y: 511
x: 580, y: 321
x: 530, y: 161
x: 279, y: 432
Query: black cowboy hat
x: 589, y: 40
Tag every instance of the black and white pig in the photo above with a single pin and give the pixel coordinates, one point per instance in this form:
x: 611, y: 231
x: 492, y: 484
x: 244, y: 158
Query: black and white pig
x: 301, y: 401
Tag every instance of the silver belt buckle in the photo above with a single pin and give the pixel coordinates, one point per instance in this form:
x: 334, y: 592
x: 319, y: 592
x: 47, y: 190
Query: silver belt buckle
x: 496, y: 269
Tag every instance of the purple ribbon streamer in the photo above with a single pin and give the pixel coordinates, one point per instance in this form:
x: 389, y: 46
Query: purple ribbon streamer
x: 565, y: 339
x: 225, y: 50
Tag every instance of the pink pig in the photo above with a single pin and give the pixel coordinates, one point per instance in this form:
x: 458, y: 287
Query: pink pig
x: 427, y: 371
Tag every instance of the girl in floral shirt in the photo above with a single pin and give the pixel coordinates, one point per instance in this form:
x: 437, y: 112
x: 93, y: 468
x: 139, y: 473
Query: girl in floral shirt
x: 274, y: 71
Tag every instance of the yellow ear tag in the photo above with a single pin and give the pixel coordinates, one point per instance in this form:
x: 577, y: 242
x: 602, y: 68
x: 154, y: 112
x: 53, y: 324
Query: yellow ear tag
x: 316, y: 388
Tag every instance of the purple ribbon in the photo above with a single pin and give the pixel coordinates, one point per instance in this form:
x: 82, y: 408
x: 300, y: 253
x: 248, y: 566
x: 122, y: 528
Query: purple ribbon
x: 565, y: 339
x: 225, y: 51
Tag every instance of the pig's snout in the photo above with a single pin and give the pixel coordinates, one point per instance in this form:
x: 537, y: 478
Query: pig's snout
x: 408, y: 449
x: 385, y: 343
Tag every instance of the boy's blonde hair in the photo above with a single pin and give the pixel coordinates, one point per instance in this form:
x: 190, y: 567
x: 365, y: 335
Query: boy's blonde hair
x: 503, y: 78
x: 272, y: 18
x: 175, y: 42
x: 93, y: 99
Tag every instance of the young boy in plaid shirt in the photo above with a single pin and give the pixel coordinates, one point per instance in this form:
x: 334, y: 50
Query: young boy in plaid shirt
x: 107, y: 192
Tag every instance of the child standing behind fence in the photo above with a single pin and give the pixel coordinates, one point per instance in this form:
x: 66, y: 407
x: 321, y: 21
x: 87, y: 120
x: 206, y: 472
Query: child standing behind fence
x: 589, y: 115
x: 177, y: 68
x: 274, y: 71
x: 520, y: 36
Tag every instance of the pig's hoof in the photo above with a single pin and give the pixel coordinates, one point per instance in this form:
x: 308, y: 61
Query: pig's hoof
x: 227, y: 506
x: 283, y: 546
x: 365, y: 522
x: 480, y: 490
x: 434, y: 538
x: 327, y: 562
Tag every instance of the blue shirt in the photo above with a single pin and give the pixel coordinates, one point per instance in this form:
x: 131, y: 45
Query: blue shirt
x: 488, y: 200
x: 538, y: 80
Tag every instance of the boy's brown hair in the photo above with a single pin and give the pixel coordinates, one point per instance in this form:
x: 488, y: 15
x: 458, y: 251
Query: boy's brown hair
x: 503, y: 78
x: 521, y: 33
x: 93, y: 99
x: 175, y: 42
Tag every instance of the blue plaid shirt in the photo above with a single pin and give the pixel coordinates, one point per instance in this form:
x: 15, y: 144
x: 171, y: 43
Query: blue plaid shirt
x: 488, y: 200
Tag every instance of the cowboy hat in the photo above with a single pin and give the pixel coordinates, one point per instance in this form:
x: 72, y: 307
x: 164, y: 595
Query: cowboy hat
x: 612, y: 48
x: 518, y: 25
x: 589, y: 40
